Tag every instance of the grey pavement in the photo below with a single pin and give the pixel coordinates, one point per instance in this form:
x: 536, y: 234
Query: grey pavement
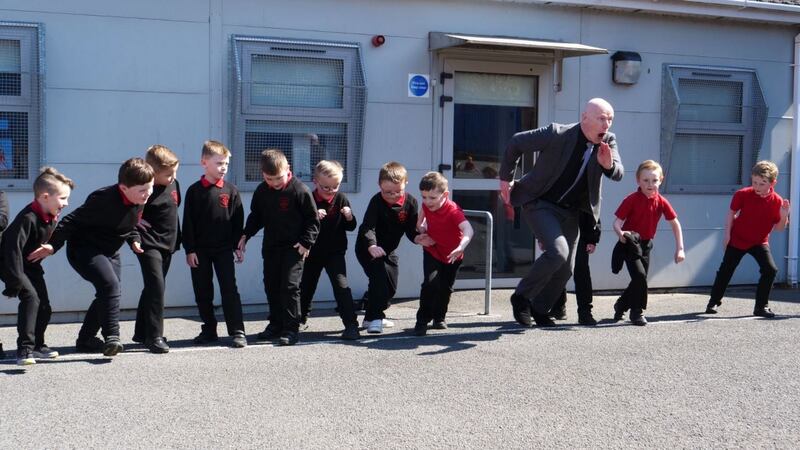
x: 685, y: 380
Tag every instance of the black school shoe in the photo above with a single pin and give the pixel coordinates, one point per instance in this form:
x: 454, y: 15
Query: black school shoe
x: 439, y: 325
x: 559, y: 314
x: 544, y: 321
x: 351, y: 333
x: 586, y: 319
x: 269, y: 334
x: 712, y: 307
x: 205, y: 338
x: 764, y: 312
x: 112, y: 346
x: 2, y: 353
x: 89, y: 345
x: 420, y: 329
x: 158, y: 345
x: 522, y: 310
x: 619, y: 313
x: 288, y: 338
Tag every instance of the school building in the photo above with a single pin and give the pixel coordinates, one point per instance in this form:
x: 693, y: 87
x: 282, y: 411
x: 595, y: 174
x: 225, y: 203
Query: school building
x: 706, y: 87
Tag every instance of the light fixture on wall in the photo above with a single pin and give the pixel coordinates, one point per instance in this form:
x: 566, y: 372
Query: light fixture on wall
x: 626, y: 68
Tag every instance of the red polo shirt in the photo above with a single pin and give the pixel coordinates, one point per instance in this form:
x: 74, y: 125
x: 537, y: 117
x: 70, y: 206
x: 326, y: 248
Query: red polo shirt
x: 757, y: 216
x: 641, y: 213
x: 443, y: 228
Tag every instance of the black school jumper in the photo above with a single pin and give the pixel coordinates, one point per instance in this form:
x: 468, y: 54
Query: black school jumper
x: 288, y: 217
x: 384, y: 226
x: 328, y: 253
x: 159, y: 242
x: 212, y: 226
x: 31, y: 228
x: 94, y: 233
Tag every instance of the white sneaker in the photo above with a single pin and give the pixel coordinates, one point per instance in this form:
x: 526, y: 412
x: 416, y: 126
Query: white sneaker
x: 375, y: 327
x: 44, y: 352
x: 387, y: 323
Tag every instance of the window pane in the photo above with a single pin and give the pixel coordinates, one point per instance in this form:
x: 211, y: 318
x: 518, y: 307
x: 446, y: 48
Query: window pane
x: 282, y: 81
x: 704, y: 159
x: 495, y: 89
x: 710, y: 101
x: 13, y: 145
x: 303, y: 143
x: 10, y: 68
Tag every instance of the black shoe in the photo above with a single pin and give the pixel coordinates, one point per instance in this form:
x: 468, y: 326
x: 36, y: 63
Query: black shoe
x: 522, y: 310
x: 619, y: 313
x: 205, y: 338
x: 420, y: 329
x: 112, y: 346
x: 639, y: 321
x: 2, y: 353
x: 586, y: 319
x: 239, y: 340
x: 138, y: 339
x: 351, y: 333
x: 303, y: 325
x: 558, y: 314
x: 89, y: 345
x: 158, y: 345
x: 544, y: 320
x: 712, y: 307
x: 269, y: 334
x: 439, y: 325
x: 764, y: 312
x: 288, y: 339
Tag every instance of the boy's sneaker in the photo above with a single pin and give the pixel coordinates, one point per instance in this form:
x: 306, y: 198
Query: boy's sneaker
x: 375, y: 327
x: 113, y: 346
x: 639, y: 321
x: 239, y: 340
x: 351, y: 333
x: 303, y: 325
x: 25, y: 357
x: 270, y: 333
x: 89, y: 345
x: 712, y: 307
x: 205, y: 338
x: 44, y: 352
x: 386, y: 323
x: 420, y: 329
x: 288, y: 339
x: 439, y: 325
x: 764, y: 312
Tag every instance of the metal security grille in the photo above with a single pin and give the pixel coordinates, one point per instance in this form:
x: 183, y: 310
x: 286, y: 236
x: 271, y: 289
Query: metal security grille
x: 20, y: 104
x: 713, y: 122
x: 305, y: 98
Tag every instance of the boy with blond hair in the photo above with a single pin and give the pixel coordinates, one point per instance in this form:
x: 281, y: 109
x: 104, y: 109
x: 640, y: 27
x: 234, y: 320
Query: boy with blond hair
x: 25, y: 279
x: 212, y: 225
x: 390, y: 213
x: 160, y: 232
x: 755, y: 211
x: 635, y: 224
x: 284, y: 207
x: 449, y: 233
x: 336, y: 219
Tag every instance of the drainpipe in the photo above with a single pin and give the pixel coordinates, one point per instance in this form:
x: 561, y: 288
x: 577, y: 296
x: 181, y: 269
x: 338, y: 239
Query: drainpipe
x: 794, y: 181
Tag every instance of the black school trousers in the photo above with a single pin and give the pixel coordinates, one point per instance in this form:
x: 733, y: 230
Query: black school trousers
x: 437, y: 287
x: 283, y: 271
x: 382, y: 276
x: 33, y: 312
x: 635, y: 295
x: 582, y: 277
x: 103, y: 271
x: 336, y: 268
x: 150, y: 313
x: 733, y: 256
x: 221, y: 263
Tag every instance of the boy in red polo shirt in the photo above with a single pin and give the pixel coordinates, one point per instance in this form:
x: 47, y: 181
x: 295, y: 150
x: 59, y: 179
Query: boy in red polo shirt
x: 446, y: 233
x: 638, y: 215
x: 755, y: 212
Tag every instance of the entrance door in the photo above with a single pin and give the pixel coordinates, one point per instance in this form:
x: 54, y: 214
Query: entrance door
x: 491, y: 102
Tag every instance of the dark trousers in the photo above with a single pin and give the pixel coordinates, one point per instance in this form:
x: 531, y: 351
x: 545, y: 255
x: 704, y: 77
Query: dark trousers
x: 583, y: 282
x: 336, y: 268
x: 382, y: 276
x: 730, y: 261
x: 33, y: 313
x: 221, y: 262
x: 437, y: 287
x: 150, y: 313
x: 103, y: 272
x: 283, y: 270
x: 635, y: 295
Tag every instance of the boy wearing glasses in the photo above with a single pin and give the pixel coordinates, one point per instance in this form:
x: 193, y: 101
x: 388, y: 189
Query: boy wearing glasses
x: 336, y: 219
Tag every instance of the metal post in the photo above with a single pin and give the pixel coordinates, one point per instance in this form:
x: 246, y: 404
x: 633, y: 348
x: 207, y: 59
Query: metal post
x: 487, y: 303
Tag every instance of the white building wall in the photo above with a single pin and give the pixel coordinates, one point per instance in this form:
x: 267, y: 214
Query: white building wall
x: 123, y: 75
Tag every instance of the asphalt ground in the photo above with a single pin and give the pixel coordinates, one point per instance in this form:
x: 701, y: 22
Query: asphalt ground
x: 685, y: 380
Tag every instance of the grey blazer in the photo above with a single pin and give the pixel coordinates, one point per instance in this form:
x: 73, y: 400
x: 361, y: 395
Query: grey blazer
x: 554, y: 144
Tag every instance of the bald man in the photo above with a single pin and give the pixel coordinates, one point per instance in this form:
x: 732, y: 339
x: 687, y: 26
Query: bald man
x: 564, y: 181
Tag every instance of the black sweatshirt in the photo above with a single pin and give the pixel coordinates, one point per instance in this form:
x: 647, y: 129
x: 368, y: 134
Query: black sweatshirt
x: 212, y: 217
x: 25, y: 234
x: 384, y: 225
x: 3, y: 212
x: 288, y: 216
x: 333, y: 227
x: 104, y: 221
x: 161, y: 212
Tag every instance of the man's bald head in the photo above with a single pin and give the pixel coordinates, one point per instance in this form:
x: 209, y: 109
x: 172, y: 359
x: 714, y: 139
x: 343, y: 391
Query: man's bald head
x: 596, y: 119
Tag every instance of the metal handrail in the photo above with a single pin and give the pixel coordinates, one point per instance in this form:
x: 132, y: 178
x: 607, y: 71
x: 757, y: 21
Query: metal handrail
x: 487, y: 303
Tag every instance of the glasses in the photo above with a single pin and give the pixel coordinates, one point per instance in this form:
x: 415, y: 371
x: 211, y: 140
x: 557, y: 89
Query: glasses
x: 328, y: 188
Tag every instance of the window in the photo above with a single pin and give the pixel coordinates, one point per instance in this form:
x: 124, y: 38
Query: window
x: 306, y: 98
x: 20, y: 104
x: 713, y: 122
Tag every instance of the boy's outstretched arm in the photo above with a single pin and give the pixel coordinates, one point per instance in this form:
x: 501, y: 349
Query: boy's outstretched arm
x: 676, y: 230
x: 784, y: 221
x: 728, y: 225
x: 467, y: 233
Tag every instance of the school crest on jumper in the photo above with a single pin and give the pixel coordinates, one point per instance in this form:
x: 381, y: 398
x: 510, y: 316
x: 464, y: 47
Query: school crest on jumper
x: 402, y: 216
x: 174, y: 195
x: 283, y: 203
x: 224, y: 200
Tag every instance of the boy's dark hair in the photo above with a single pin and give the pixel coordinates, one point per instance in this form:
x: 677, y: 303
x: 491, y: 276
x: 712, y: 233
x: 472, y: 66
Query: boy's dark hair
x: 135, y: 172
x: 212, y: 148
x: 49, y: 180
x: 160, y: 157
x: 394, y: 172
x: 433, y: 181
x: 273, y: 161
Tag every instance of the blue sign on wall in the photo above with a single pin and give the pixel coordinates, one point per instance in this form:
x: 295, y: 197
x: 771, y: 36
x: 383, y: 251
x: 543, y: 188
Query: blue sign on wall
x: 418, y: 85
